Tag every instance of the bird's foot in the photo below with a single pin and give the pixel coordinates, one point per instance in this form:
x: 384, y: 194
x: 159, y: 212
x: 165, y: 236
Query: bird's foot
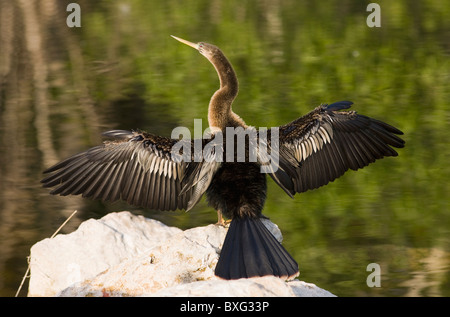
x: 221, y: 221
x: 224, y: 223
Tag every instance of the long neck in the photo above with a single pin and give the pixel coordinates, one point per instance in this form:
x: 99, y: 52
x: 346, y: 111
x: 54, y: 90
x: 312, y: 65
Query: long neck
x: 220, y: 114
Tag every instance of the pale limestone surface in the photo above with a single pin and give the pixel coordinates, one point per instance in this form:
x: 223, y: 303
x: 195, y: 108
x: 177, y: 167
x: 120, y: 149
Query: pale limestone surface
x: 123, y: 254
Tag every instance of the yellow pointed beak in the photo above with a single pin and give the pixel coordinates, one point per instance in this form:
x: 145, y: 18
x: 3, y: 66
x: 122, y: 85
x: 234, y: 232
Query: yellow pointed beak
x: 194, y: 45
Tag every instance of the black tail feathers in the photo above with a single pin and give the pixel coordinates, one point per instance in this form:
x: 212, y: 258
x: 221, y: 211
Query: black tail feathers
x: 250, y: 250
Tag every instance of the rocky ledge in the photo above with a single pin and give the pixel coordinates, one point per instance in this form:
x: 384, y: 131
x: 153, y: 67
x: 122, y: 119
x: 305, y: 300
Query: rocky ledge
x: 123, y: 254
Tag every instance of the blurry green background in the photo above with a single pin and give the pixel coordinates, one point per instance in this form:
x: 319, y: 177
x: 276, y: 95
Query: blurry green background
x: 61, y: 87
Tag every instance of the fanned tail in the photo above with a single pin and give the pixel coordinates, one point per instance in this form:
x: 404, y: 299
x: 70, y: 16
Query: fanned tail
x: 250, y: 250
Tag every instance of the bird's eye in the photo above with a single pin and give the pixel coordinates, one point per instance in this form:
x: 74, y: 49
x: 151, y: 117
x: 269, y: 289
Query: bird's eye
x: 201, y: 46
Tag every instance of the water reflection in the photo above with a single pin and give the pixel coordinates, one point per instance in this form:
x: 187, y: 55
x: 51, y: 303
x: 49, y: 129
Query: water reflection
x: 61, y: 87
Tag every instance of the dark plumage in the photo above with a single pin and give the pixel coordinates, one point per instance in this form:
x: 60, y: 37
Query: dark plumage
x: 143, y: 170
x: 326, y: 142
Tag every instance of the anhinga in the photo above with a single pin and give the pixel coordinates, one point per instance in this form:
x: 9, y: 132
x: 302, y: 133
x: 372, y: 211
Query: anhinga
x: 141, y: 169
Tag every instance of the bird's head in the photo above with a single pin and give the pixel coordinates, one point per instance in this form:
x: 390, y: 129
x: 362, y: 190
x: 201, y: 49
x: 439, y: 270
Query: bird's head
x: 208, y: 50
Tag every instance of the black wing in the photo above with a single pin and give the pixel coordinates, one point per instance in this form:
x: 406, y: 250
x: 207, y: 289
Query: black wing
x: 136, y: 167
x: 322, y: 145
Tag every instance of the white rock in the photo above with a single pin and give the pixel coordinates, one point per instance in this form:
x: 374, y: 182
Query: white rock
x: 127, y: 255
x: 94, y: 247
x: 186, y: 257
x: 253, y: 287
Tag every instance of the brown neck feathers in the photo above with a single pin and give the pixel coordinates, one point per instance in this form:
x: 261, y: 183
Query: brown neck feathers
x: 220, y: 114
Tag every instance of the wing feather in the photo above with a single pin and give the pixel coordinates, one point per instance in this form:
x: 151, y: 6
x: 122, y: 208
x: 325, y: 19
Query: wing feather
x: 322, y: 145
x: 133, y: 166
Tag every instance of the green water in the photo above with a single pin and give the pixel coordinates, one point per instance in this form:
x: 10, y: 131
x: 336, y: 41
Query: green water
x: 61, y: 86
